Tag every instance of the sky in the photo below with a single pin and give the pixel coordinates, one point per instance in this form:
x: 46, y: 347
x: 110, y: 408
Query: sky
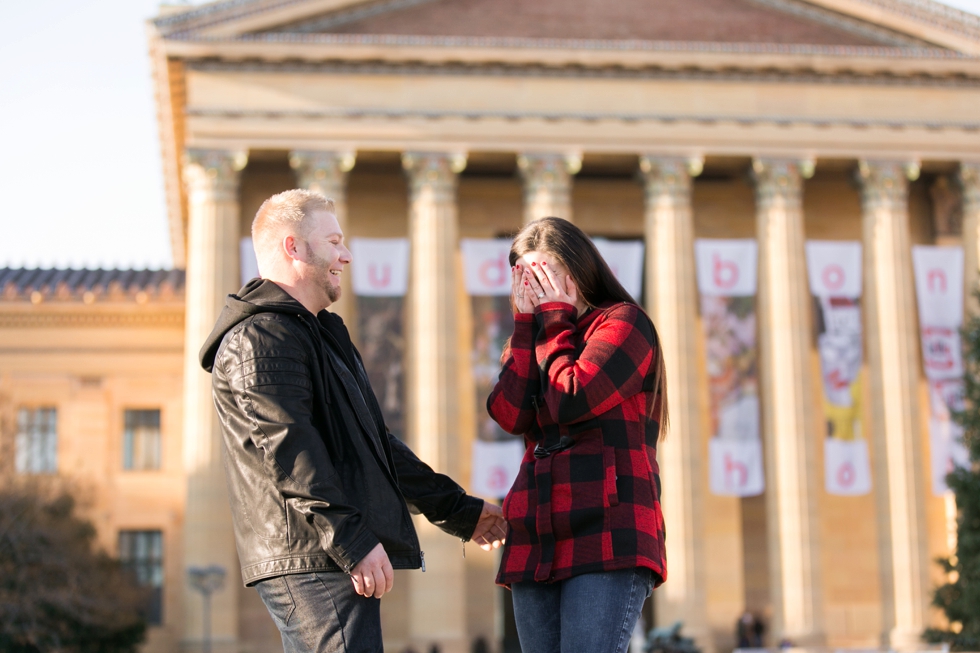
x: 80, y: 170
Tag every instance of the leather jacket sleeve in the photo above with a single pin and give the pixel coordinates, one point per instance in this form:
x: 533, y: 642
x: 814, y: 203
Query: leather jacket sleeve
x: 436, y: 496
x: 275, y: 393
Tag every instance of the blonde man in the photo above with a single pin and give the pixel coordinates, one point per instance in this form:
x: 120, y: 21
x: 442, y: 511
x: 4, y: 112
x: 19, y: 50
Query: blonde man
x: 320, y: 490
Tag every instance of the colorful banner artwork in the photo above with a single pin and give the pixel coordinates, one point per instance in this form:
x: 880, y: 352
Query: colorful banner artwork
x: 834, y: 269
x: 625, y: 259
x: 496, y: 454
x: 939, y: 291
x: 380, y: 279
x: 726, y: 271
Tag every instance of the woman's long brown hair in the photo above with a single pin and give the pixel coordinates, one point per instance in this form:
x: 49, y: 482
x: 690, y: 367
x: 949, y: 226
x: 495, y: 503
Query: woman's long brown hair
x: 595, y: 282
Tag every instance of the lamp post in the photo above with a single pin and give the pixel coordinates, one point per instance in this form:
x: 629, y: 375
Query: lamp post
x: 206, y: 580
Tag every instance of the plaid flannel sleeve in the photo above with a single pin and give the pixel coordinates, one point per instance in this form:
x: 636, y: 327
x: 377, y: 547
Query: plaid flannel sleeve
x: 610, y: 369
x: 511, y: 404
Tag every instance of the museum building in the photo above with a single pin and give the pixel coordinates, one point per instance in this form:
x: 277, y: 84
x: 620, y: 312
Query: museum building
x: 794, y: 184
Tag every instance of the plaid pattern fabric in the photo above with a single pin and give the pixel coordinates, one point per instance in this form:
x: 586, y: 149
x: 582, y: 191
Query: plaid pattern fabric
x: 595, y: 505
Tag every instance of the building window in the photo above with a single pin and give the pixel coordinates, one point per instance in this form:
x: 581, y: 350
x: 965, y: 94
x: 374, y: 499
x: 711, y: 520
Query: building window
x: 142, y: 553
x: 37, y: 441
x: 141, y: 441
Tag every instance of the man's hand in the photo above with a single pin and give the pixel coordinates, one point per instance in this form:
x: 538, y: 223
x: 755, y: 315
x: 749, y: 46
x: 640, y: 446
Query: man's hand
x: 373, y: 575
x: 491, y: 530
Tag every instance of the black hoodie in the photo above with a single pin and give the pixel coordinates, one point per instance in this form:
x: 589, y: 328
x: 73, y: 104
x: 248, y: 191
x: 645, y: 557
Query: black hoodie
x: 315, y: 479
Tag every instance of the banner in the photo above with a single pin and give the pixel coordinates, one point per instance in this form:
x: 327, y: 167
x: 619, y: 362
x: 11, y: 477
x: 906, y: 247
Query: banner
x: 939, y: 295
x: 625, y: 259
x: 834, y: 270
x: 726, y: 271
x: 380, y: 266
x: 249, y: 266
x: 380, y: 279
x: 486, y: 270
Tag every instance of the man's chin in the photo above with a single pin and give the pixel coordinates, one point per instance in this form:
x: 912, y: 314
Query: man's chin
x: 333, y: 294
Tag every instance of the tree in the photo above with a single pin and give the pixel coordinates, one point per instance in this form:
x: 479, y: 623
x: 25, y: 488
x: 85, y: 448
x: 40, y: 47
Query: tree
x: 959, y: 598
x: 58, y: 593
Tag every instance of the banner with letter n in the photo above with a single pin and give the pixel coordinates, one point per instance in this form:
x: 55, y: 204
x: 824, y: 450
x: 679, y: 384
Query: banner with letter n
x: 939, y: 294
x: 726, y: 271
x: 379, y: 277
x: 496, y: 454
x: 834, y: 271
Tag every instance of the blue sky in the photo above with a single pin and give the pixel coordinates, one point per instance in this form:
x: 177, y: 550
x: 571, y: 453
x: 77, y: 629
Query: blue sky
x: 80, y: 169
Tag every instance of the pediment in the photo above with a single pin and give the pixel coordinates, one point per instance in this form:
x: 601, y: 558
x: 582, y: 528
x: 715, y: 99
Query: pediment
x: 835, y: 23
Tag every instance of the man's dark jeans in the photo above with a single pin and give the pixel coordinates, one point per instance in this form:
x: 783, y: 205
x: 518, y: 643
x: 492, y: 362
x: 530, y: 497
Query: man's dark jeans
x: 591, y: 613
x: 320, y: 612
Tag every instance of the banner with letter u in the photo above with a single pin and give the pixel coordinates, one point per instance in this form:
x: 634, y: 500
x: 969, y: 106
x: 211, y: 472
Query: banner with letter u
x: 379, y: 277
x: 939, y: 294
x: 726, y: 271
x: 486, y: 270
x: 834, y: 270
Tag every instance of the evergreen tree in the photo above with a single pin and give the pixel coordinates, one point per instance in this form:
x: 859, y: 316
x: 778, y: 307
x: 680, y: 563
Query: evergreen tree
x: 58, y: 593
x: 959, y: 598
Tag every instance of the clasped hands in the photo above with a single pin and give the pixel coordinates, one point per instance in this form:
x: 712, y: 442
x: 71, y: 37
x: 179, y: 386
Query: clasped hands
x: 374, y: 576
x: 535, y: 282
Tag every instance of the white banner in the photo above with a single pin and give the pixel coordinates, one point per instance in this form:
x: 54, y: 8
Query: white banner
x: 249, y: 266
x: 625, y: 259
x: 380, y: 266
x: 486, y: 266
x: 726, y: 268
x: 834, y: 268
x: 736, y: 467
x: 939, y: 294
x: 495, y: 467
x: 846, y: 467
x: 939, y: 285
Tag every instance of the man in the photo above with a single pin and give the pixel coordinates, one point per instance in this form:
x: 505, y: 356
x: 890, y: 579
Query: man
x: 320, y: 491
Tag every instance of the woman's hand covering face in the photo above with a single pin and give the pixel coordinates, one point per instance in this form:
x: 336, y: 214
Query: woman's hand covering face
x: 536, y: 281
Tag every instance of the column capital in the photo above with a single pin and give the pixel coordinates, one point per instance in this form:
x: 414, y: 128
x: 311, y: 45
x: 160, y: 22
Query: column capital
x: 969, y: 178
x: 668, y: 178
x: 322, y: 171
x: 213, y: 172
x: 885, y: 184
x: 436, y: 171
x: 547, y: 183
x: 780, y: 180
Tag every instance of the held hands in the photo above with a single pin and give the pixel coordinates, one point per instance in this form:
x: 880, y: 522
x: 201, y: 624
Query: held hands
x: 535, y: 282
x: 491, y: 530
x: 373, y: 575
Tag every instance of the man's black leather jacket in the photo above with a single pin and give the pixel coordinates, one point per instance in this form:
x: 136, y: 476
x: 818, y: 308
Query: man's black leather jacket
x: 315, y: 480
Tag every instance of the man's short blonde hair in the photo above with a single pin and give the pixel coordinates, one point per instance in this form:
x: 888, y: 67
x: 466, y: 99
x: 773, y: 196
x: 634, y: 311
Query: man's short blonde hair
x: 284, y: 215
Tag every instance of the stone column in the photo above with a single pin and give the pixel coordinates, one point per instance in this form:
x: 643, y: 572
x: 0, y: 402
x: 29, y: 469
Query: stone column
x: 326, y: 173
x: 213, y: 234
x: 894, y: 376
x: 788, y: 423
x: 547, y: 184
x: 672, y: 301
x: 437, y: 610
x: 969, y: 178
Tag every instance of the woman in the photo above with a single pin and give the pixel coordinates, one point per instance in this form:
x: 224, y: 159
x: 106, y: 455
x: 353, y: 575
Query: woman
x: 583, y: 382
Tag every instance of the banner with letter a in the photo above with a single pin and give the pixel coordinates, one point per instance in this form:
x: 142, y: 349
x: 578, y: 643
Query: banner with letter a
x: 726, y: 271
x: 486, y: 270
x: 939, y: 294
x: 834, y: 270
x: 379, y: 276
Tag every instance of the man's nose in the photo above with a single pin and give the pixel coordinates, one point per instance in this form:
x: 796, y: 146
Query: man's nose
x: 345, y: 256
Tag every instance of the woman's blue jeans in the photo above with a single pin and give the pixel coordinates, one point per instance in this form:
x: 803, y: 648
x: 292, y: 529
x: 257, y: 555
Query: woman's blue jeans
x: 591, y: 613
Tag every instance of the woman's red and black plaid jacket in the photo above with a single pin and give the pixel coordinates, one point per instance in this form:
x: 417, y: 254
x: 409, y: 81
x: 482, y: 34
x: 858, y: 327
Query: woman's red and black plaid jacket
x: 581, y: 389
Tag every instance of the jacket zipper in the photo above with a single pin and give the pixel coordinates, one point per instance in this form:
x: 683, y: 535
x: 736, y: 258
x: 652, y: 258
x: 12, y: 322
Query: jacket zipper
x: 422, y: 554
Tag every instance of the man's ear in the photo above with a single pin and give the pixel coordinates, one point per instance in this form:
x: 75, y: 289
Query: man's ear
x: 291, y: 246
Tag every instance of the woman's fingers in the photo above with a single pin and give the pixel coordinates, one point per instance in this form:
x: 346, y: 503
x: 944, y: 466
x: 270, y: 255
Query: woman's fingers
x: 533, y: 286
x: 558, y: 288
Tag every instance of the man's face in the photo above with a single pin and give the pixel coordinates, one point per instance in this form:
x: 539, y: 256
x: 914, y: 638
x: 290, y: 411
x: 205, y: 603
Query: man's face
x: 327, y: 254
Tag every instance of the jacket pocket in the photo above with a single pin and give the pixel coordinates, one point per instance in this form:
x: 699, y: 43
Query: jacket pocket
x: 611, y: 476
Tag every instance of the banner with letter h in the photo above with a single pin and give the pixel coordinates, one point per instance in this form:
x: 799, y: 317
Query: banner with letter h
x: 726, y: 271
